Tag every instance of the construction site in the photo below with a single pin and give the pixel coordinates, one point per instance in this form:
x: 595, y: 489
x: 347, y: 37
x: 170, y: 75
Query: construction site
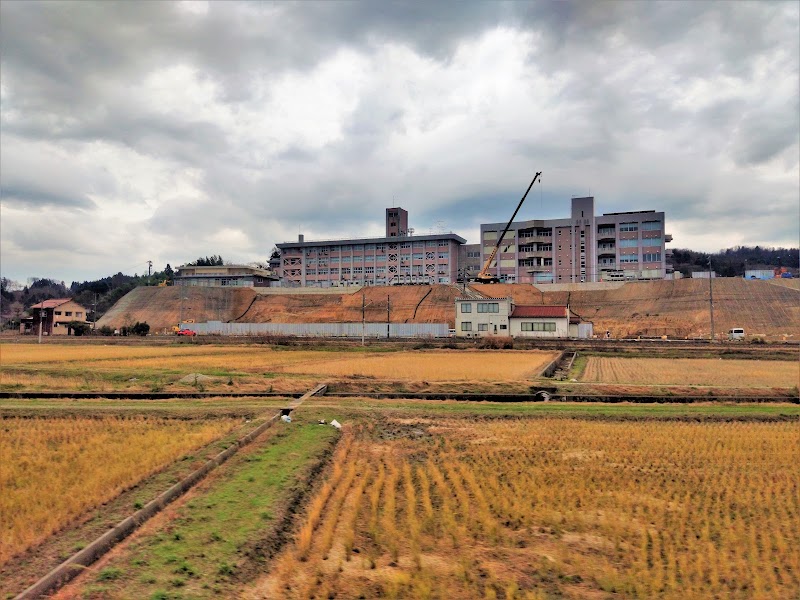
x: 675, y: 309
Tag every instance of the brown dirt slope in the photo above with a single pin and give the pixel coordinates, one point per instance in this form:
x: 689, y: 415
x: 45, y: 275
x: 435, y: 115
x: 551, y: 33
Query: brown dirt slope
x: 433, y: 304
x: 161, y: 307
x: 675, y: 308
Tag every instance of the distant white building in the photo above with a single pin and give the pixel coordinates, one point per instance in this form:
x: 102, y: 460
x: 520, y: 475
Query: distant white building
x: 500, y: 317
x: 703, y: 274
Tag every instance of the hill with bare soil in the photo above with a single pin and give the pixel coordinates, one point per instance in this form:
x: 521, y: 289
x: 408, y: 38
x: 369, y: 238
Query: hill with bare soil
x: 407, y: 304
x: 160, y: 307
x: 675, y: 308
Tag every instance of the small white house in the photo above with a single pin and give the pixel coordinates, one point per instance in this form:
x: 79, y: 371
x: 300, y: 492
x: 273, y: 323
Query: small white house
x: 481, y: 317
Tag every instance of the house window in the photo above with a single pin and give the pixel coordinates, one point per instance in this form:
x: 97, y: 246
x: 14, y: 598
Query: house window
x: 488, y: 307
x: 538, y: 326
x: 68, y: 313
x: 58, y: 312
x: 466, y: 326
x: 466, y: 307
x: 79, y: 314
x: 503, y: 326
x: 483, y: 327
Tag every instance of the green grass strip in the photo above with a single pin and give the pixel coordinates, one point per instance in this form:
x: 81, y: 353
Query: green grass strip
x: 198, y: 553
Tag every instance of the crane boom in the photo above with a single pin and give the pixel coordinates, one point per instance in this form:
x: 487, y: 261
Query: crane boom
x: 484, y: 276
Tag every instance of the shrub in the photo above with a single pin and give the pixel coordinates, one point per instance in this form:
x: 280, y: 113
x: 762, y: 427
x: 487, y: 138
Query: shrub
x: 105, y: 330
x: 140, y: 329
x: 496, y: 342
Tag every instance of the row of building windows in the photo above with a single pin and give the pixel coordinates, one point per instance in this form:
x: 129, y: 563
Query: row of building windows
x: 483, y: 307
x: 538, y: 326
x: 372, y: 247
x: 68, y: 313
x: 467, y: 326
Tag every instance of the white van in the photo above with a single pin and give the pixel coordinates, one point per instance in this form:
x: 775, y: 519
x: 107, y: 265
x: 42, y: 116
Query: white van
x: 737, y: 333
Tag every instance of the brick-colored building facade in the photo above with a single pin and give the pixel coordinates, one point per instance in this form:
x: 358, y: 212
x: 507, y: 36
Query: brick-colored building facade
x: 396, y: 258
x: 621, y: 246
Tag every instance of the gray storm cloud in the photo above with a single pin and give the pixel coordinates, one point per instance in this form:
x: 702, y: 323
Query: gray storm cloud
x: 178, y: 127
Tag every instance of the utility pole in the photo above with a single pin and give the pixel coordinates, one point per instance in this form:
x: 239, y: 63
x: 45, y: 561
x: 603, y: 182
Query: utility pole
x: 149, y: 268
x: 388, y: 300
x: 40, y: 325
x: 711, y: 299
x: 94, y: 313
x: 363, y: 315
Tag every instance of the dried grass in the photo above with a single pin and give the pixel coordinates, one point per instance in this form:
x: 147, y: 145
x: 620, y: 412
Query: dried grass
x: 55, y: 469
x: 692, y: 371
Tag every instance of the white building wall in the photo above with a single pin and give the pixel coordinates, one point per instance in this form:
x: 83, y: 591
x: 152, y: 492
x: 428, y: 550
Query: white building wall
x: 495, y: 323
x: 562, y: 327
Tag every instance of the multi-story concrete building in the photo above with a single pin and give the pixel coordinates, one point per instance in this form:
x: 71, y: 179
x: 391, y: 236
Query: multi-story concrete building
x: 223, y: 276
x: 620, y: 246
x: 399, y: 257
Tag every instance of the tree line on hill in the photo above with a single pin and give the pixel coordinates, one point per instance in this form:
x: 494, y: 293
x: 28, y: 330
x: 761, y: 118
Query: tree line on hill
x: 97, y: 296
x: 733, y: 262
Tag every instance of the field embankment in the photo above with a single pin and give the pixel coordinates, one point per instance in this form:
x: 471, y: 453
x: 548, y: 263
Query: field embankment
x: 162, y: 307
x: 678, y: 309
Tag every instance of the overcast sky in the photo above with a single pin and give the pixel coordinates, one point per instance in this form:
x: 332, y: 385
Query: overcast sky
x: 160, y: 131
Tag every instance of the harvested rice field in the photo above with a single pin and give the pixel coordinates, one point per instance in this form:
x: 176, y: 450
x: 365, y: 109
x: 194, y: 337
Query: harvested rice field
x: 430, y: 365
x: 551, y: 508
x: 692, y: 371
x: 54, y: 469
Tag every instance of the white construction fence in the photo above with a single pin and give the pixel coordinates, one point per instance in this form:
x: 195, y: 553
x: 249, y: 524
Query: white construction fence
x: 348, y: 330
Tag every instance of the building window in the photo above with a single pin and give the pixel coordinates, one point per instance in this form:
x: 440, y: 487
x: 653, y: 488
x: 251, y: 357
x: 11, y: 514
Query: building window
x: 58, y: 312
x: 431, y: 243
x: 651, y: 257
x: 442, y: 243
x: 503, y: 326
x: 68, y: 313
x: 656, y: 241
x: 483, y: 327
x: 405, y: 244
x: 466, y: 326
x: 443, y: 255
x: 628, y: 243
x: 629, y: 227
x: 651, y: 226
x: 358, y: 246
x: 418, y: 255
x: 488, y: 307
x: 379, y: 247
x: 632, y: 258
x: 538, y: 326
x: 466, y: 307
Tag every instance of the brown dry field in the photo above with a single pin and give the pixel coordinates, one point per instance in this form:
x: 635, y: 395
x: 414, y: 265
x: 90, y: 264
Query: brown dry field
x: 50, y: 473
x: 692, y: 371
x: 429, y: 365
x: 550, y: 508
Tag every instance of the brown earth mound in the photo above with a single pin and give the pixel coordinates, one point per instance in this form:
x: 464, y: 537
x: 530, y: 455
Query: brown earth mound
x: 407, y: 304
x: 160, y: 307
x: 675, y: 308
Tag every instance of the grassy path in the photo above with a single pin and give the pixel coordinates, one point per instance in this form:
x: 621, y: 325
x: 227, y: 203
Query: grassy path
x: 199, y: 548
